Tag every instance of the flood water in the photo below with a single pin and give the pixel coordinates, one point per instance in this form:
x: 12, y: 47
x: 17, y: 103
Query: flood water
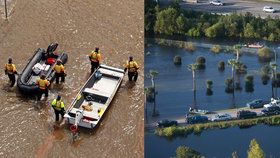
x: 217, y: 143
x: 26, y: 127
x: 174, y: 83
x: 175, y: 96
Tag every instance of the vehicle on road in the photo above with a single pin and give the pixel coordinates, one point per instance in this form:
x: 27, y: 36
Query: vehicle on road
x: 268, y: 9
x: 244, y: 114
x: 216, y: 2
x: 166, y: 123
x: 273, y: 110
x: 258, y: 103
x: 221, y: 117
x: 196, y: 119
x: 273, y: 102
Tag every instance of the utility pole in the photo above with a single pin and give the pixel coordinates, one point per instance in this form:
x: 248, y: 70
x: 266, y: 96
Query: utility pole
x: 6, y: 12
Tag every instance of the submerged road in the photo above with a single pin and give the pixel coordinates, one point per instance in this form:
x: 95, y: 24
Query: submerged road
x: 182, y: 119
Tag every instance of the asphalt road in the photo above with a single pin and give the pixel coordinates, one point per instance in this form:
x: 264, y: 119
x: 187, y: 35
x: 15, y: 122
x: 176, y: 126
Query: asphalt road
x: 182, y: 120
x: 230, y: 6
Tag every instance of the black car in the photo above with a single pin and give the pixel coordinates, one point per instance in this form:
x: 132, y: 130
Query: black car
x: 258, y: 103
x: 244, y: 114
x: 166, y: 123
x: 197, y: 119
x: 273, y: 110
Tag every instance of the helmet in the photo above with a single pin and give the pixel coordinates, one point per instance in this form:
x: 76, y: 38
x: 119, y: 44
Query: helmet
x: 130, y: 57
x: 96, y: 49
x: 58, y: 97
x: 43, y: 76
x: 10, y: 60
x: 59, y: 61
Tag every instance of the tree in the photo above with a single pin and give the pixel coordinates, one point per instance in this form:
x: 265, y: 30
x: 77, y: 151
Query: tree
x: 209, y: 84
x: 249, y: 83
x: 146, y: 89
x: 152, y: 75
x: 166, y: 21
x: 193, y: 67
x: 181, y: 24
x: 216, y: 30
x: 255, y: 150
x: 249, y: 31
x: 185, y: 152
x: 233, y: 63
x: 264, y: 54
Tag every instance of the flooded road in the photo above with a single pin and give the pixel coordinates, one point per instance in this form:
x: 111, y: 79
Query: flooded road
x: 26, y: 127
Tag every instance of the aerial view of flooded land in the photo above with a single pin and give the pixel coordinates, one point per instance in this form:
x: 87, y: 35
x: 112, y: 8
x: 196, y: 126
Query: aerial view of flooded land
x: 212, y: 79
x: 116, y: 27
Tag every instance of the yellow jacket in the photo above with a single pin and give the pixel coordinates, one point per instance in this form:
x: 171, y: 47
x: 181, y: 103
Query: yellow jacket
x: 58, y: 68
x: 10, y: 68
x: 95, y: 57
x: 132, y: 66
x: 43, y: 84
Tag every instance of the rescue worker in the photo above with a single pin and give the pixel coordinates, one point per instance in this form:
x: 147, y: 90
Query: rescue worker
x: 59, y: 72
x: 11, y: 71
x: 43, y: 85
x: 132, y: 68
x: 58, y: 107
x: 95, y: 58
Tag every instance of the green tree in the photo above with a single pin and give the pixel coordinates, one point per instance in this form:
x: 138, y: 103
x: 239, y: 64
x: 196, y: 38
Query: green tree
x: 216, y: 30
x: 249, y: 31
x: 181, y: 24
x: 255, y: 150
x: 185, y: 152
x: 166, y: 21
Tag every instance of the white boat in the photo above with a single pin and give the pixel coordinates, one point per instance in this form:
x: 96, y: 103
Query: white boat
x: 94, y: 98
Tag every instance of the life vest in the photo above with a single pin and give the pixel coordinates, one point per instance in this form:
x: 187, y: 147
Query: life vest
x: 11, y: 68
x: 95, y: 57
x: 42, y: 83
x: 57, y: 105
x: 132, y: 66
x: 58, y: 68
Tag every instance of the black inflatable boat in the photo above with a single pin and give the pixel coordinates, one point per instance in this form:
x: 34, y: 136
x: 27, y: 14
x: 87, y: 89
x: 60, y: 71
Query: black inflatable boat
x: 42, y: 62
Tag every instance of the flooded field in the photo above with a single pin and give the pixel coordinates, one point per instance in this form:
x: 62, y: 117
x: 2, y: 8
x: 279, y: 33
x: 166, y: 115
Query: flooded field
x: 26, y: 127
x: 175, y: 96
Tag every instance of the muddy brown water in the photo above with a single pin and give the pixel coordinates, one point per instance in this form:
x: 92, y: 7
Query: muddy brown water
x: 26, y: 127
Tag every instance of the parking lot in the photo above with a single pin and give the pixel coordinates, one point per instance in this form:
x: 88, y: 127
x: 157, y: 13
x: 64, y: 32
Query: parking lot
x: 230, y: 6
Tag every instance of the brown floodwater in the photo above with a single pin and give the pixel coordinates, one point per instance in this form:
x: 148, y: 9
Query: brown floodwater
x: 26, y: 127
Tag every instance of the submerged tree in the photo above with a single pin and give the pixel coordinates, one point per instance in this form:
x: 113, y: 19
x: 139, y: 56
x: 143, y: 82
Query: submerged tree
x: 177, y: 60
x: 249, y: 83
x: 233, y: 63
x: 193, y: 68
x: 221, y: 66
x: 152, y: 75
x: 200, y: 61
x: 265, y: 71
x: 228, y: 83
x: 209, y: 84
x: 255, y: 150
